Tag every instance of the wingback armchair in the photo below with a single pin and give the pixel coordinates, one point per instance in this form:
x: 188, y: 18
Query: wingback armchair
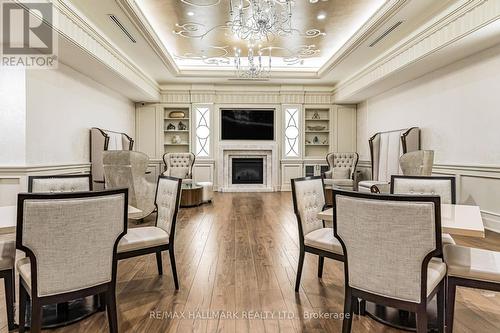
x: 342, y: 170
x: 417, y: 163
x: 128, y: 169
x: 385, y: 149
x: 179, y: 165
x: 102, y: 140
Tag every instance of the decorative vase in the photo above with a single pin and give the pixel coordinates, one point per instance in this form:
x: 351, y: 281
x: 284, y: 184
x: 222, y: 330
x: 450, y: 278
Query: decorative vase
x: 316, y: 115
x: 170, y: 127
x: 182, y: 126
x: 316, y: 140
x: 176, y: 139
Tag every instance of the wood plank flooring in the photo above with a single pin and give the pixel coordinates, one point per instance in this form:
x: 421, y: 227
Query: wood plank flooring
x: 237, y: 258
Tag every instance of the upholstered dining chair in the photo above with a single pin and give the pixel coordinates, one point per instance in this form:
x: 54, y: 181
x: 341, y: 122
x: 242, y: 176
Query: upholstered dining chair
x: 179, y: 165
x: 342, y: 168
x: 59, y: 183
x: 128, y: 169
x: 308, y: 200
x: 417, y: 163
x: 444, y: 186
x: 64, y: 260
x: 389, y: 244
x: 7, y: 257
x: 470, y: 268
x: 145, y: 240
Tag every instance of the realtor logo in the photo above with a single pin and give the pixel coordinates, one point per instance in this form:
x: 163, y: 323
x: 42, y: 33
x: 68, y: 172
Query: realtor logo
x: 27, y: 35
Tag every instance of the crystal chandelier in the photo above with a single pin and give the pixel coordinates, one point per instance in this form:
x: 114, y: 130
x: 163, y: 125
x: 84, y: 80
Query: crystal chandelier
x: 256, y: 67
x: 260, y: 19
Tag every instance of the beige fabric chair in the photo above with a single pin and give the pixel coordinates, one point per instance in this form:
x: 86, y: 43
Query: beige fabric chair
x: 128, y: 169
x: 308, y: 200
x: 385, y: 149
x: 443, y: 186
x: 59, y: 183
x: 7, y: 257
x: 102, y: 140
x: 179, y: 165
x: 64, y: 260
x: 389, y: 243
x: 417, y: 163
x: 345, y: 162
x: 471, y: 268
x: 145, y: 240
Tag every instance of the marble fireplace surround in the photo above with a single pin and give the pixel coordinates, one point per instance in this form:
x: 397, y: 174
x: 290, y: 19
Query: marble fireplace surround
x: 265, y: 150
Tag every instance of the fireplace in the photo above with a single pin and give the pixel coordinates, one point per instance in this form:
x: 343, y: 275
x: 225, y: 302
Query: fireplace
x: 247, y: 171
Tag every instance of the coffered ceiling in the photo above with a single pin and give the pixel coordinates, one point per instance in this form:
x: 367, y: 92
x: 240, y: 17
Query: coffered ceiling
x: 196, y: 32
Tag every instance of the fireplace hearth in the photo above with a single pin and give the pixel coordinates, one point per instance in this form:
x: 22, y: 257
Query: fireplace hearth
x: 247, y: 171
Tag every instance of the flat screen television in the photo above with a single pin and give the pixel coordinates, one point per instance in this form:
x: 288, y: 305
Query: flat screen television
x: 244, y: 124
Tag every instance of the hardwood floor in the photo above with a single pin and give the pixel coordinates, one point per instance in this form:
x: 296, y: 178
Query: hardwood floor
x: 238, y: 257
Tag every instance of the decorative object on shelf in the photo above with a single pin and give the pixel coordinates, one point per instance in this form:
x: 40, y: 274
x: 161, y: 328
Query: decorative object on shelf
x: 316, y: 140
x: 316, y: 115
x: 176, y: 139
x: 308, y: 142
x: 177, y: 114
x: 170, y: 127
x: 260, y: 19
x: 316, y: 128
x: 182, y: 126
x: 325, y: 141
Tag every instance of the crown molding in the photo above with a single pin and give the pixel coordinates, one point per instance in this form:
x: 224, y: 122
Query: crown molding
x: 456, y: 23
x: 74, y: 27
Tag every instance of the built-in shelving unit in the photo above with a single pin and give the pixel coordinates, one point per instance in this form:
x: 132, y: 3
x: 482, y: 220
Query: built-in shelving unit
x: 316, y: 132
x: 184, y: 133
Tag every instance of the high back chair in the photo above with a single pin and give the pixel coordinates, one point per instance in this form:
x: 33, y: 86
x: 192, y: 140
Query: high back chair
x: 308, y: 200
x: 7, y: 257
x: 388, y: 243
x: 417, y: 163
x: 444, y: 186
x: 342, y: 168
x: 59, y: 183
x: 128, y: 169
x: 145, y: 240
x: 64, y: 260
x: 179, y: 165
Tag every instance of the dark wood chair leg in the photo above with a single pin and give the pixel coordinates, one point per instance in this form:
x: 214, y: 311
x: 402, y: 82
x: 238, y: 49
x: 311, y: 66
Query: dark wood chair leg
x: 299, y: 270
x: 441, y: 297
x: 23, y: 298
x: 174, y: 268
x: 348, y: 311
x: 8, y: 279
x: 101, y: 302
x: 450, y: 304
x: 36, y: 316
x: 422, y: 319
x: 159, y: 263
x: 321, y: 262
x: 111, y: 310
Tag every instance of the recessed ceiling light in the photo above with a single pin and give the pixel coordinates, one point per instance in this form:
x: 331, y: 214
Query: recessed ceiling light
x: 313, y: 1
x: 190, y: 14
x: 321, y: 16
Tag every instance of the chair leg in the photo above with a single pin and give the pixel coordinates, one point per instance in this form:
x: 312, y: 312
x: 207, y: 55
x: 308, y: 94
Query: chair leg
x: 422, y: 319
x: 8, y: 280
x: 450, y: 304
x: 36, y: 316
x: 321, y: 261
x: 111, y: 310
x: 299, y: 270
x: 23, y: 297
x: 348, y: 311
x: 174, y: 268
x: 441, y: 297
x: 101, y: 301
x: 159, y: 263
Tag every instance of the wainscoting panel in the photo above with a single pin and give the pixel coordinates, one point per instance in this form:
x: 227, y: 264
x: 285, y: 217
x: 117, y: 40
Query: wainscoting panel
x: 476, y: 185
x: 288, y: 172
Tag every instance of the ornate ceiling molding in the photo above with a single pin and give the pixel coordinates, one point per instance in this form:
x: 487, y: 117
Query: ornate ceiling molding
x: 74, y: 27
x: 458, y: 22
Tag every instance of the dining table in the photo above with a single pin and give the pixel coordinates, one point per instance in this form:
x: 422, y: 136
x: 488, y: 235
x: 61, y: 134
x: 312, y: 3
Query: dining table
x: 62, y: 314
x: 460, y: 220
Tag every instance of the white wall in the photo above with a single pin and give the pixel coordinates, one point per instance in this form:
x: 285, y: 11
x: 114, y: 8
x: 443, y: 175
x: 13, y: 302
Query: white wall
x: 62, y: 105
x: 457, y: 108
x: 12, y: 116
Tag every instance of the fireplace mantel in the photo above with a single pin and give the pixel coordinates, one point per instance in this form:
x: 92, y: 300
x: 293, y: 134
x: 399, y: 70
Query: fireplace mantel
x: 266, y: 150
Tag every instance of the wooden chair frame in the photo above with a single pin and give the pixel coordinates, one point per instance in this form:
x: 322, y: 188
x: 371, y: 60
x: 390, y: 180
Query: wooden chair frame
x: 304, y: 248
x: 450, y: 178
x: 108, y: 289
x: 351, y: 294
x: 8, y: 279
x: 165, y: 247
